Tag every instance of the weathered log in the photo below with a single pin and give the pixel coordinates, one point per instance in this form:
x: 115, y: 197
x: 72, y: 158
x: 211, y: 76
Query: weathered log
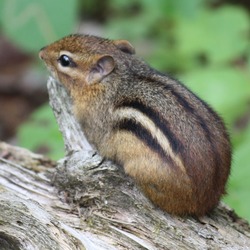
x: 86, y: 202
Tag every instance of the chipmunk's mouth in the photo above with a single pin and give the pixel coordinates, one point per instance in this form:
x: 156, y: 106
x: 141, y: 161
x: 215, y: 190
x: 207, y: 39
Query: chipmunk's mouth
x: 53, y: 73
x: 41, y: 54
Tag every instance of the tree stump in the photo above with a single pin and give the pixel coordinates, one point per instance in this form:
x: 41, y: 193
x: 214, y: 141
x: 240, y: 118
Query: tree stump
x: 86, y: 202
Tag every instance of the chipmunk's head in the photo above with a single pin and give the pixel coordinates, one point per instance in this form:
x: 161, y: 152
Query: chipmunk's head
x: 83, y: 60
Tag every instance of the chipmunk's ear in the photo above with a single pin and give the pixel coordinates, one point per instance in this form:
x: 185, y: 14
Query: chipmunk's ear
x: 125, y: 46
x: 103, y: 66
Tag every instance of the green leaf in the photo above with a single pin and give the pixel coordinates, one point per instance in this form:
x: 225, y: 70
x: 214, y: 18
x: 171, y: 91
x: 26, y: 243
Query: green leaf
x: 239, y: 185
x: 187, y: 9
x: 221, y: 35
x: 225, y: 89
x: 41, y: 134
x: 33, y: 23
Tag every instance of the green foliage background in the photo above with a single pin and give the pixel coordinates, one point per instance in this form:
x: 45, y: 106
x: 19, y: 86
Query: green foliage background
x: 202, y: 42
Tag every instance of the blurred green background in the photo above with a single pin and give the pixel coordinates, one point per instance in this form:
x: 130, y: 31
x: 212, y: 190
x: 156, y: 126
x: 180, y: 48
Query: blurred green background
x: 204, y: 43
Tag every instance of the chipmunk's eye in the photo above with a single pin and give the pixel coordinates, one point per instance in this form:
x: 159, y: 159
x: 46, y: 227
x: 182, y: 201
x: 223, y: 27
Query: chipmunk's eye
x: 66, y: 61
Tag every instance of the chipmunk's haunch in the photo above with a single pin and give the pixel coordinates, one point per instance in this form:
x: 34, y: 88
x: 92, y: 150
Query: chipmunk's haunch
x: 170, y: 141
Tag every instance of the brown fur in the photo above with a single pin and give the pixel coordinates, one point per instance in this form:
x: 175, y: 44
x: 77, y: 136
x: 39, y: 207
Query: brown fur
x: 172, y: 143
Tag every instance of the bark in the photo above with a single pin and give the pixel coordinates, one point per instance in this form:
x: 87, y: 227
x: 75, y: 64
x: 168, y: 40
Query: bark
x: 86, y: 202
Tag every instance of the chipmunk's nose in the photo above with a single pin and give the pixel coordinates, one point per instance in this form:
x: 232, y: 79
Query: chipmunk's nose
x: 41, y: 53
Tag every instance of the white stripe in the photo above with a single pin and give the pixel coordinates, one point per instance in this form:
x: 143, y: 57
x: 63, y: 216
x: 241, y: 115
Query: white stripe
x: 131, y: 113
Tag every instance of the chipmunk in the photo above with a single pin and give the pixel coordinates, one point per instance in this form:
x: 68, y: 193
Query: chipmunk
x: 168, y: 140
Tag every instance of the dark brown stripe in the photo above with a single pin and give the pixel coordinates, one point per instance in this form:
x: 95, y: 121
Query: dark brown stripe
x: 182, y: 101
x: 187, y: 106
x: 143, y: 135
x: 210, y: 137
x: 159, y: 122
x: 191, y: 111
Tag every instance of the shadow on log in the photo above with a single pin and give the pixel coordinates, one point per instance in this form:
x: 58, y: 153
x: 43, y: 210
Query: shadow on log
x: 85, y: 202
